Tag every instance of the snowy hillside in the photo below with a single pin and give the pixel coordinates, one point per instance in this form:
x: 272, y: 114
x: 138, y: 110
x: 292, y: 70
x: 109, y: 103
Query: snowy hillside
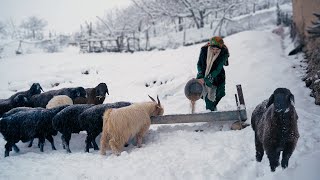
x: 258, y: 61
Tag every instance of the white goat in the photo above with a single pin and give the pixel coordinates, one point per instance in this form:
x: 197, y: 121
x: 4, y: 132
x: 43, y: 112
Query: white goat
x: 119, y: 125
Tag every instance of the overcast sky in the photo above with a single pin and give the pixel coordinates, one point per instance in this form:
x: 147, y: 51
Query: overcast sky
x: 62, y: 15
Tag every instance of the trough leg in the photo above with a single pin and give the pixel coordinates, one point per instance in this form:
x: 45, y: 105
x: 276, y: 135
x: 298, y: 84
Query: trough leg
x: 273, y: 157
x: 15, y: 148
x: 259, y: 149
x: 8, y: 148
x: 286, y: 154
x: 50, y: 139
x: 41, y: 142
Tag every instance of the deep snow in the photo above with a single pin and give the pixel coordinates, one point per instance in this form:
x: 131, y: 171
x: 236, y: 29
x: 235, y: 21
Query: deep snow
x: 258, y: 61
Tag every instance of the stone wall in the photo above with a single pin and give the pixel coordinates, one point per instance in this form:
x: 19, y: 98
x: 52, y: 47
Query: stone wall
x: 302, y: 17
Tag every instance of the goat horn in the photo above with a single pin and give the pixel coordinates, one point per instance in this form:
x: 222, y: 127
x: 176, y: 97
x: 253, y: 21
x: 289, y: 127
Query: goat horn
x: 151, y: 98
x: 158, y: 100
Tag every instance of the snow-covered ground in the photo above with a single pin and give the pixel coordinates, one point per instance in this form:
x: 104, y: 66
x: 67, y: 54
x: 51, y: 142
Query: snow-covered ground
x: 258, y: 61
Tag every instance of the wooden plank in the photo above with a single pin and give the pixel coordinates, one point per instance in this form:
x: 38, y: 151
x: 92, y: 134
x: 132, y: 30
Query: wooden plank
x: 214, y: 116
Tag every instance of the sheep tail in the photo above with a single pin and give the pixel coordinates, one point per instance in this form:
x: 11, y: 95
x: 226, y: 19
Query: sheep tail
x: 105, y: 137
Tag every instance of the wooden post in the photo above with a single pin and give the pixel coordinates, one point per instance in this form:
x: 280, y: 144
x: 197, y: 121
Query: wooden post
x: 240, y: 94
x: 184, y: 36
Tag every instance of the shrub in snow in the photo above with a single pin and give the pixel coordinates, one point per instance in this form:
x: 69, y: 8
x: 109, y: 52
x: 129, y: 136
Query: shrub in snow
x: 274, y: 122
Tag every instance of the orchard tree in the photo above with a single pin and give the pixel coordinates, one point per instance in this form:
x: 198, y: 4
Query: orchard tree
x: 34, y: 27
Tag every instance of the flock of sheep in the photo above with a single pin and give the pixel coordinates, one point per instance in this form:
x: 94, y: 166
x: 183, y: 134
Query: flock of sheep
x: 31, y: 114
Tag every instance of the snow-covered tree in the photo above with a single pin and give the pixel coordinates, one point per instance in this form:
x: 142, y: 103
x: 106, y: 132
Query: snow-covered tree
x: 33, y: 27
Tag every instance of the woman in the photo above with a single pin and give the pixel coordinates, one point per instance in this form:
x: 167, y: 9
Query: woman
x: 211, y: 74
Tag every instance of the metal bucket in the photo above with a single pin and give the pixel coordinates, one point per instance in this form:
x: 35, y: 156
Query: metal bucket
x: 193, y: 89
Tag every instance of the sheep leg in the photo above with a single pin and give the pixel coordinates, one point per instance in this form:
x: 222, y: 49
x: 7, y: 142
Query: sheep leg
x: 141, y: 134
x: 273, y: 157
x: 31, y: 142
x: 259, y: 149
x: 8, y: 148
x: 286, y: 154
x: 15, y: 148
x: 88, y: 143
x: 41, y: 142
x: 104, y: 143
x: 50, y: 139
x: 93, y: 141
x: 116, y: 146
x: 67, y: 138
x: 63, y: 142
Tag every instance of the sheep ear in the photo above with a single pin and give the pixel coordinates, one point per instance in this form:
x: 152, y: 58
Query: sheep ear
x: 158, y: 101
x: 151, y: 98
x: 271, y: 100
x: 292, y: 99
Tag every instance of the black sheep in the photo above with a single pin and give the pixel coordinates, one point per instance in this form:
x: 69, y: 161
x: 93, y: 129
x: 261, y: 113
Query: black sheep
x: 41, y: 100
x: 91, y: 121
x: 26, y: 125
x: 17, y: 101
x: 34, y: 90
x: 96, y: 95
x: 274, y: 122
x: 20, y: 109
x: 66, y: 122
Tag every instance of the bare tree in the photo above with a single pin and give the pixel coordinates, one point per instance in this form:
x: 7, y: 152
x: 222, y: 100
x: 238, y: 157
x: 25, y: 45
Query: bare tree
x: 2, y: 28
x: 34, y: 26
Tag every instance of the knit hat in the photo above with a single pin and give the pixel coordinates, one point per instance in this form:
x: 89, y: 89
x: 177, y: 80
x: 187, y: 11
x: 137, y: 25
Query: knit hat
x: 216, y: 41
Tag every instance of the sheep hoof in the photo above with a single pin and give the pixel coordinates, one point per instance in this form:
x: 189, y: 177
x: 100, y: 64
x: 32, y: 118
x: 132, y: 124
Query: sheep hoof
x: 96, y: 148
x: 16, y: 149
x: 6, y: 153
x: 198, y: 130
x: 54, y: 148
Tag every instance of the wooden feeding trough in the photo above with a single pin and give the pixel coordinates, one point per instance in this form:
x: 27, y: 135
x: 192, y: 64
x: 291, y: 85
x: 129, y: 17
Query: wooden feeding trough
x: 237, y: 116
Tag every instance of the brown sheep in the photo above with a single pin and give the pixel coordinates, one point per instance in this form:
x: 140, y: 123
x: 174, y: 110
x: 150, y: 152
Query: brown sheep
x: 119, y: 125
x: 95, y: 95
